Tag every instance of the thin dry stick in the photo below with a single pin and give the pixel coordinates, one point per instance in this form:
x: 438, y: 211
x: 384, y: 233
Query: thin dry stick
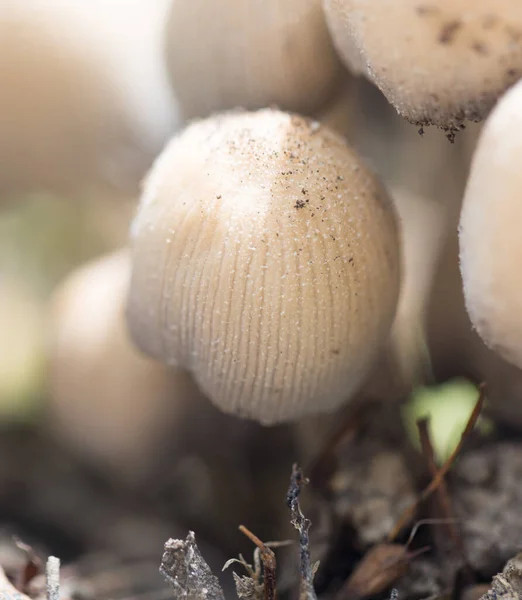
x: 446, y: 511
x: 422, y: 522
x: 302, y: 525
x: 269, y: 563
x: 52, y: 573
x: 435, y: 482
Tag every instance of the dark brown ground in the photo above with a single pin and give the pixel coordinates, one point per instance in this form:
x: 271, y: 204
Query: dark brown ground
x: 111, y: 538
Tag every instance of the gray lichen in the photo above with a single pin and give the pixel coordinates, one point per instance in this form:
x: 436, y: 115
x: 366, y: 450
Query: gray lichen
x: 187, y: 572
x: 508, y: 584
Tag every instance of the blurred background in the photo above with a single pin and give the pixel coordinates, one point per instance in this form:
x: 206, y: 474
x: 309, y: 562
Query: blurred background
x: 103, y: 453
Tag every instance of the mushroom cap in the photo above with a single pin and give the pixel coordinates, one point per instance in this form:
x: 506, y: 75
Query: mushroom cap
x: 490, y: 231
x: 265, y: 261
x: 107, y: 400
x: 438, y: 62
x: 236, y: 54
x: 67, y: 119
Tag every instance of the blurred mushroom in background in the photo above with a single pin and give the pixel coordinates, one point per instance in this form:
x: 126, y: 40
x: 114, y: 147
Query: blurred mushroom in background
x: 41, y: 240
x: 84, y: 107
x: 341, y: 113
x: 423, y: 234
x: 104, y: 396
x: 250, y: 55
x: 84, y: 102
x: 146, y: 425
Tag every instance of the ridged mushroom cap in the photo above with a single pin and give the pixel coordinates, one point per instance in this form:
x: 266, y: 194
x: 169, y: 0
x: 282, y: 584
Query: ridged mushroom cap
x: 107, y: 400
x: 266, y: 261
x: 491, y: 231
x: 236, y: 54
x: 437, y: 61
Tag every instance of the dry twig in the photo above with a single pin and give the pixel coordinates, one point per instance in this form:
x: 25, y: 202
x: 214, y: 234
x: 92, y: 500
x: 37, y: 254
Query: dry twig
x: 444, y: 502
x: 52, y: 578
x: 269, y: 564
x: 302, y: 524
x: 435, y: 482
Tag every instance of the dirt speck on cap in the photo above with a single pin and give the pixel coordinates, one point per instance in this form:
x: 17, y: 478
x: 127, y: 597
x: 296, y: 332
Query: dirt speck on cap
x: 449, y: 31
x: 425, y: 10
x: 479, y: 48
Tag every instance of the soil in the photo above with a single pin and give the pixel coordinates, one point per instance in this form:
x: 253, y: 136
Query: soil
x: 110, y: 538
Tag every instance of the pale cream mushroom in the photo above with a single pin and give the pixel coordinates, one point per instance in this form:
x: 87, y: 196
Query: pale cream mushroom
x: 73, y: 115
x: 236, y: 54
x: 437, y: 61
x: 423, y: 226
x: 341, y: 113
x: 491, y: 231
x: 112, y: 404
x: 266, y: 262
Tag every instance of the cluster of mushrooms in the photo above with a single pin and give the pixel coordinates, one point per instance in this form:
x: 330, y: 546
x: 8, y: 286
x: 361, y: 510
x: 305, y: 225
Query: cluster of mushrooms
x: 296, y: 240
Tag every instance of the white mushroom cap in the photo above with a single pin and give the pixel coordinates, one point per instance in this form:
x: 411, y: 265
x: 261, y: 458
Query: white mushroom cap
x: 491, y: 231
x: 437, y: 61
x: 71, y: 114
x: 106, y: 400
x: 265, y: 261
x: 236, y: 54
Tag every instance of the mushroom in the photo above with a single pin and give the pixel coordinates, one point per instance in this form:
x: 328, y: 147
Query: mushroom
x: 71, y: 115
x: 229, y: 54
x: 106, y: 400
x: 438, y: 62
x: 340, y: 114
x: 266, y: 262
x: 490, y: 231
x: 423, y: 225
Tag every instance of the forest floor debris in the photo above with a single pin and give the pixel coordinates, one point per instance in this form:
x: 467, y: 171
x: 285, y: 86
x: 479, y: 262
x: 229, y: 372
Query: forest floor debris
x: 482, y: 506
